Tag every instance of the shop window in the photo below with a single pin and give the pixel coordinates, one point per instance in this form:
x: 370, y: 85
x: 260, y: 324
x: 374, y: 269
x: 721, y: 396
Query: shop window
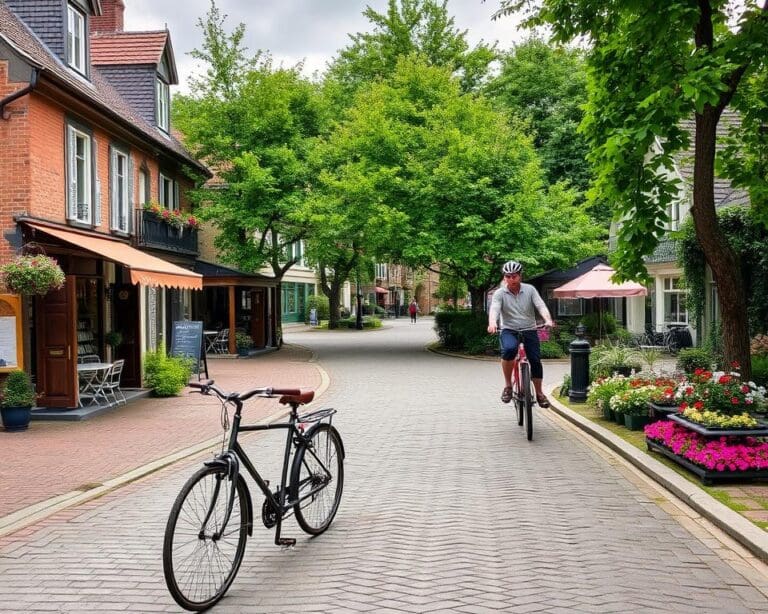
x: 675, y: 299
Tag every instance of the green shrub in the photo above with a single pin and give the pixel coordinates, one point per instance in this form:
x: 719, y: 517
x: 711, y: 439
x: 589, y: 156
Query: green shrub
x: 164, y: 374
x: 17, y: 390
x: 319, y: 302
x: 713, y: 344
x: 485, y: 344
x: 243, y: 340
x: 551, y: 349
x: 690, y: 359
x: 607, y: 358
x: 457, y: 330
x: 760, y: 370
x: 599, y: 324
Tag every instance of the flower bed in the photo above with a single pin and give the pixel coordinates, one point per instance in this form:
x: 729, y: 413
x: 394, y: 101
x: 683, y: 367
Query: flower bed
x: 733, y: 457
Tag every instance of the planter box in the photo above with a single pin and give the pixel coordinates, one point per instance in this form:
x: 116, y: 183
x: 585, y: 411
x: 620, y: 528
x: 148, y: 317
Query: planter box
x: 618, y: 417
x: 707, y: 477
x: 608, y: 413
x: 635, y: 423
x: 661, y: 412
x: 759, y: 431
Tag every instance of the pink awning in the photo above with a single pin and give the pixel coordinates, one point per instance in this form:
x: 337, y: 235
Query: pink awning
x: 597, y: 284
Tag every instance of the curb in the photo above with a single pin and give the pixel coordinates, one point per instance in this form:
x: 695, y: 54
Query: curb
x: 732, y: 523
x: 39, y: 511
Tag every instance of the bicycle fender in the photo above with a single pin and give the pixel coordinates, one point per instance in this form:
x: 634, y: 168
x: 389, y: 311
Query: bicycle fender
x: 231, y: 464
x: 314, y: 427
x: 248, y: 505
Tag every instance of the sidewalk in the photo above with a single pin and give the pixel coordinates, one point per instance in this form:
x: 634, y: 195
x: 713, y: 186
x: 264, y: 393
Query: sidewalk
x: 66, y: 459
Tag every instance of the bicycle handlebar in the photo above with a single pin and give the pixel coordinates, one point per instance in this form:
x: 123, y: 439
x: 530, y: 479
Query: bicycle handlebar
x: 207, y: 386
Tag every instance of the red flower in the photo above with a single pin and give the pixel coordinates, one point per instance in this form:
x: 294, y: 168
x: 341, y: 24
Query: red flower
x: 734, y: 400
x: 724, y: 379
x: 735, y: 365
x: 698, y: 404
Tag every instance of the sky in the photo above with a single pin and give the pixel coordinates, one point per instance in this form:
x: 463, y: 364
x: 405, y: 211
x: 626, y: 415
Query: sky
x: 296, y: 30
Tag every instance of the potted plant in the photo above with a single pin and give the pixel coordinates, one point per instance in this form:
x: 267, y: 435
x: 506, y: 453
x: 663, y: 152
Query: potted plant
x: 113, y: 339
x: 243, y: 342
x: 632, y: 404
x: 18, y: 397
x: 31, y: 275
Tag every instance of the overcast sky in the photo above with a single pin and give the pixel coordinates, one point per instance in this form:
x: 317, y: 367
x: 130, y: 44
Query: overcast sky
x: 294, y: 30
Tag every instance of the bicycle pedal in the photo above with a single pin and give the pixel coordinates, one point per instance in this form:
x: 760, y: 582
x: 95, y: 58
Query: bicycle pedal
x: 286, y: 542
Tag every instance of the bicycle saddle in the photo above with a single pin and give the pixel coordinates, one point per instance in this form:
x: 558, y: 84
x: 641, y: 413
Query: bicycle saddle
x: 302, y: 398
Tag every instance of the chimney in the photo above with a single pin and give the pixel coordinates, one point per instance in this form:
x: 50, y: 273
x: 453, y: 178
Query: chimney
x: 111, y: 18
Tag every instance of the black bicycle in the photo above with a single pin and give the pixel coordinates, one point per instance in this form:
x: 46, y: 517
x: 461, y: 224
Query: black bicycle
x: 212, y: 516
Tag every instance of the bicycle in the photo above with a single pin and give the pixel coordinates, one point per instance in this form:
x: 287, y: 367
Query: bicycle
x: 212, y: 515
x: 522, y: 387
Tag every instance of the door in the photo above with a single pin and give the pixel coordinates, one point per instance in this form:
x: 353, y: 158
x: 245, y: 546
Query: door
x: 126, y: 321
x: 258, y: 318
x: 56, y: 347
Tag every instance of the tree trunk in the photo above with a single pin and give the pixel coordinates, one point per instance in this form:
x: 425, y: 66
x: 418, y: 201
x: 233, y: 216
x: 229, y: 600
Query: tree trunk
x: 720, y: 257
x: 333, y: 304
x: 478, y: 299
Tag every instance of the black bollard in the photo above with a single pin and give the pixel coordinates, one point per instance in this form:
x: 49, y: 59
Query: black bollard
x: 580, y: 351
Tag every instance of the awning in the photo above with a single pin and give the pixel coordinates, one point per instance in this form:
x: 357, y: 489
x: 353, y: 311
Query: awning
x: 381, y: 290
x: 145, y: 270
x: 597, y: 284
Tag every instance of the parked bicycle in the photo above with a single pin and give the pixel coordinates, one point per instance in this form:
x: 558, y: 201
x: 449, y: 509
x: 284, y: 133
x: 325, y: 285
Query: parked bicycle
x: 213, y: 515
x: 522, y: 387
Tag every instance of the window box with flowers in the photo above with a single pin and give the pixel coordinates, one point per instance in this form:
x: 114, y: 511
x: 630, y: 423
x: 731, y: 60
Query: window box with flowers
x: 32, y: 275
x: 168, y: 229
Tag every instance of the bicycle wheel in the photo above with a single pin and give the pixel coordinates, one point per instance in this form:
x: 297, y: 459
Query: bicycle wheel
x: 318, y: 468
x: 198, y: 569
x: 527, y: 398
x: 519, y: 402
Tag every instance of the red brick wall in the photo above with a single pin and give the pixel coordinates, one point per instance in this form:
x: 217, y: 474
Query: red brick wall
x: 47, y: 182
x: 14, y: 161
x: 111, y: 18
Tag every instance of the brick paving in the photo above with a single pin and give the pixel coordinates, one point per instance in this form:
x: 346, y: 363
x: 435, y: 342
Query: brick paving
x: 54, y: 458
x: 446, y: 508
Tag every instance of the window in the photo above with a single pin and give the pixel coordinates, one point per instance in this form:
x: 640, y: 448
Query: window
x: 80, y: 176
x: 75, y: 39
x: 569, y: 307
x: 143, y: 187
x: 120, y: 184
x: 381, y: 271
x: 169, y: 193
x: 675, y: 297
x: 163, y: 105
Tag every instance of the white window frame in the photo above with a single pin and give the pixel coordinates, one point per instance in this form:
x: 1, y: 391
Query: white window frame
x: 381, y: 271
x: 672, y: 292
x: 168, y: 191
x: 163, y: 104
x: 76, y: 39
x: 80, y: 175
x: 143, y: 187
x: 570, y: 307
x: 120, y: 198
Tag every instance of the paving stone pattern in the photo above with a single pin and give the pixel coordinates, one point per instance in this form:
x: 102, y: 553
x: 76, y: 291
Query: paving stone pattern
x: 446, y: 508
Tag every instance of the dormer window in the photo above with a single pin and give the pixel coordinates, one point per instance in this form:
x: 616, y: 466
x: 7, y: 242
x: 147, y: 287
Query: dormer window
x: 163, y: 105
x: 75, y: 39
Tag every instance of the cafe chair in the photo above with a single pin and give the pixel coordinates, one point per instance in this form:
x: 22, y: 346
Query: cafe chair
x: 111, y: 385
x: 221, y: 343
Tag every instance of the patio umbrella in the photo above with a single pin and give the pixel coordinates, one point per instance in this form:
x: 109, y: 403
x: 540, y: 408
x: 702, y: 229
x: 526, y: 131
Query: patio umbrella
x: 597, y: 283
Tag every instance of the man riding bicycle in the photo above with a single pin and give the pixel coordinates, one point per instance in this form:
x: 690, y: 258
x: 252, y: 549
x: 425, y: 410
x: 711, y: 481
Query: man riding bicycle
x: 514, y: 306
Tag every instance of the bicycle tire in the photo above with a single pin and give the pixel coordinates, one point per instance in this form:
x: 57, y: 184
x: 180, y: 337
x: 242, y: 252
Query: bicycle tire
x: 525, y: 388
x: 199, y: 571
x: 324, y: 449
x: 519, y: 403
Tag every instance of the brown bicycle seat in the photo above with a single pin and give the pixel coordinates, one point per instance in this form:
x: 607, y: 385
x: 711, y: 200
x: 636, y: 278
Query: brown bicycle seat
x: 299, y: 398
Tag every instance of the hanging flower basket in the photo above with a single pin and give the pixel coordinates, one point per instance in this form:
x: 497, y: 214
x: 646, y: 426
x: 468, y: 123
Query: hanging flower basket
x: 32, y: 275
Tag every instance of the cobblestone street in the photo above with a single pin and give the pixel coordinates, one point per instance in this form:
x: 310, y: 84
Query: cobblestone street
x: 446, y: 508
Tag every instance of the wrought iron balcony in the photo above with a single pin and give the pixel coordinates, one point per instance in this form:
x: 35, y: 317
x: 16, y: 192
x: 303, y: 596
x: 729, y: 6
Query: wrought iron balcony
x: 158, y: 234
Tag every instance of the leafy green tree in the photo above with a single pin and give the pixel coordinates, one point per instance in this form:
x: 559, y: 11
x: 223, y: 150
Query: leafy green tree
x: 254, y: 124
x: 653, y: 64
x: 421, y: 27
x: 547, y: 85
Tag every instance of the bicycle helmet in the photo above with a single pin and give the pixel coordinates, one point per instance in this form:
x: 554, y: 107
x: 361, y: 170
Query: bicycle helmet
x: 511, y: 267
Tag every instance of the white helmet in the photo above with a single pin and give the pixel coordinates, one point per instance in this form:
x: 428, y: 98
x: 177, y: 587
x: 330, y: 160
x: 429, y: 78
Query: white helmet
x: 511, y: 267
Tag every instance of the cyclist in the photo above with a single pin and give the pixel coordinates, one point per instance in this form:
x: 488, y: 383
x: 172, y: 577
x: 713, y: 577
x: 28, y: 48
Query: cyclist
x: 514, y: 306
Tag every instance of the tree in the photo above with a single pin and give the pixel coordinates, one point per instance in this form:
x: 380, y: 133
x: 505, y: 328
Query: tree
x: 253, y: 124
x: 547, y: 86
x: 652, y: 65
x: 421, y: 27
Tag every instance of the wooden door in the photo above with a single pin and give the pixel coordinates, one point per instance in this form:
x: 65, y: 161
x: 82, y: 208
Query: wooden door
x: 125, y: 301
x: 56, y: 346
x: 258, y: 318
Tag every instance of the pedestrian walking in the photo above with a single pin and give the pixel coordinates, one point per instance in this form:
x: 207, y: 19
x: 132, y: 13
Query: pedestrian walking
x: 413, y: 309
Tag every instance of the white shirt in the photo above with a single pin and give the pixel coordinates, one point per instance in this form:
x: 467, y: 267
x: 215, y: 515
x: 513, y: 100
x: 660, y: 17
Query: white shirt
x: 518, y: 311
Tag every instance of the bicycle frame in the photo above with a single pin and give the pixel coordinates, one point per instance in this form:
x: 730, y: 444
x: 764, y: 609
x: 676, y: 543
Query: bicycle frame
x: 235, y: 455
x: 519, y: 358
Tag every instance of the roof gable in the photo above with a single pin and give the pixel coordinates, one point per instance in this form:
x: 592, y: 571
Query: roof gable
x: 135, y: 48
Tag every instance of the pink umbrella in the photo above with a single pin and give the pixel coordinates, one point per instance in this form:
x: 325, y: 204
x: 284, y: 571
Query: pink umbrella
x: 597, y: 284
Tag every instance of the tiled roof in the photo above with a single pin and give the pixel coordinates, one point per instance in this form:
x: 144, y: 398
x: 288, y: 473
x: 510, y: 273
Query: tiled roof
x: 128, y: 48
x: 97, y: 91
x: 725, y: 193
x: 666, y: 251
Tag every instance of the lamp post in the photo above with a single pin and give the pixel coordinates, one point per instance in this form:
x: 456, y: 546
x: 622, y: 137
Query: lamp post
x: 359, y: 313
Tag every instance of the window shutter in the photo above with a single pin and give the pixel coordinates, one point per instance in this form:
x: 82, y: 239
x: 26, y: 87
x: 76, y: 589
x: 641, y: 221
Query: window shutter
x: 96, y: 184
x: 128, y: 212
x: 71, y: 175
x: 113, y: 195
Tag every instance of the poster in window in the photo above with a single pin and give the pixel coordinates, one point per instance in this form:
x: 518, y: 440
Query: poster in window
x: 8, y: 342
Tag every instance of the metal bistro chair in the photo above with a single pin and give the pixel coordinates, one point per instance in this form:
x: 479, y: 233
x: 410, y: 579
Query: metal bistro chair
x: 86, y: 358
x: 111, y: 385
x: 221, y: 343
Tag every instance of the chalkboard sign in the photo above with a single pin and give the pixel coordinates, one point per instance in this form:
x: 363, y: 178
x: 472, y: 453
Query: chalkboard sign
x: 187, y: 340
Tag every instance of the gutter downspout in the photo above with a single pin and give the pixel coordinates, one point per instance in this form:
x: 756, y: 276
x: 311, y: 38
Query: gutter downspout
x: 18, y: 94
